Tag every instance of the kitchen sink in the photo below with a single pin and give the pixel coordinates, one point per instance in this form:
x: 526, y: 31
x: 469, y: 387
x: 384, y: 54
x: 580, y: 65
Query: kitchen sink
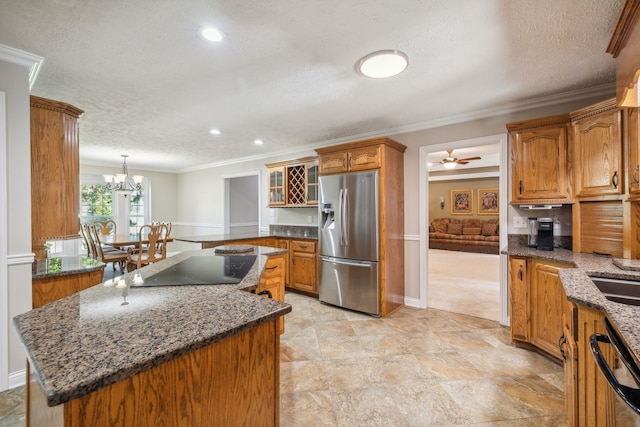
x: 619, y: 290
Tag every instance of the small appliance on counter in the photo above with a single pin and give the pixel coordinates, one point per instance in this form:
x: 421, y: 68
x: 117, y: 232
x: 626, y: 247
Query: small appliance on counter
x: 545, y: 234
x: 533, y: 232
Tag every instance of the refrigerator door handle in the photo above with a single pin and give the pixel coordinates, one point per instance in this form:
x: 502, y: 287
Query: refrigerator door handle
x: 345, y: 207
x: 340, y: 218
x: 365, y: 264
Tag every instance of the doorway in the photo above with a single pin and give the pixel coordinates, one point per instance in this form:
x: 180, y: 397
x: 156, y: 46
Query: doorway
x: 501, y: 142
x: 242, y: 212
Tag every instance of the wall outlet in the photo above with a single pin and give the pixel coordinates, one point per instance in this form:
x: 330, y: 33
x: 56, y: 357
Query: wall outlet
x: 310, y: 219
x: 519, y: 222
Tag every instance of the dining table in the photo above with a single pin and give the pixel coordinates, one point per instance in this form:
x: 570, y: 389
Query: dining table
x: 123, y: 240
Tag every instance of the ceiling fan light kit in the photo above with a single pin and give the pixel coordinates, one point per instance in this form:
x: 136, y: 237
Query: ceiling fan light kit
x: 450, y: 162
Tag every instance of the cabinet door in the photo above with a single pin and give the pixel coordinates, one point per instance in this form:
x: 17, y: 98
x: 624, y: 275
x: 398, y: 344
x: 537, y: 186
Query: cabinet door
x: 598, y: 153
x: 333, y: 163
x: 547, y: 299
x: 284, y: 244
x: 276, y: 186
x: 570, y: 355
x: 519, y: 299
x: 303, y: 269
x: 365, y: 158
x: 272, y: 280
x: 312, y: 183
x: 539, y: 164
x: 631, y: 123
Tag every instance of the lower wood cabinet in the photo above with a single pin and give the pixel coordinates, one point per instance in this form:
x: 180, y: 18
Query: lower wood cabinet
x: 536, y: 303
x: 272, y: 280
x: 303, y: 266
x: 48, y: 289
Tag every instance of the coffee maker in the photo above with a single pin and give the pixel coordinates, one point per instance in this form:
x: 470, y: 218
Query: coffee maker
x: 545, y: 234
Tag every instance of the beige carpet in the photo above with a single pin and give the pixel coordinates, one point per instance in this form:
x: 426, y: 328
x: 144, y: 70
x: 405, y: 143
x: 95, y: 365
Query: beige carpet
x: 464, y: 282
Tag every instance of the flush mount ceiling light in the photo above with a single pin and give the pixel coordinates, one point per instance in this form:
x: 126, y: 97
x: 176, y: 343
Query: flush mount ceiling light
x: 215, y: 132
x: 211, y: 34
x: 258, y: 142
x: 383, y: 64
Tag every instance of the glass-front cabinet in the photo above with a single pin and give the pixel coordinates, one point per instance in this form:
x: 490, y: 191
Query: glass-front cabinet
x: 293, y: 183
x: 276, y: 186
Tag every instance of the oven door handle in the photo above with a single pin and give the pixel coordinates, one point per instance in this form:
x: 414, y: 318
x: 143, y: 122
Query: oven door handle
x: 630, y: 395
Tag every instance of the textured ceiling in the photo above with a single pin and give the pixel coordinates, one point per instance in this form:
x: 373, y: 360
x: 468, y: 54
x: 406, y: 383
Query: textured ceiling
x: 152, y: 88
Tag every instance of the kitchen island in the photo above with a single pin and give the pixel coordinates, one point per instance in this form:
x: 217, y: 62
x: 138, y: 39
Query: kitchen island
x: 123, y: 354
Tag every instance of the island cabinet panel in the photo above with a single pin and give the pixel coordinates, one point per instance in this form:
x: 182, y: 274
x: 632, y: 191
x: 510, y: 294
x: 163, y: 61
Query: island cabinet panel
x: 569, y: 351
x: 540, y: 160
x: 55, y: 173
x: 234, y: 382
x: 49, y: 289
x: 272, y: 281
x: 597, y: 142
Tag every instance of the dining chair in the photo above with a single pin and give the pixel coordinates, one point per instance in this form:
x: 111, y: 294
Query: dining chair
x: 106, y: 254
x: 167, y: 223
x: 152, y: 246
x: 85, y: 241
x: 106, y: 228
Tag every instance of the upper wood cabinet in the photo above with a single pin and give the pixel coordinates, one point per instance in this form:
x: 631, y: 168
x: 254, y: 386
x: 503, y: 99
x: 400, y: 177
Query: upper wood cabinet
x: 625, y: 48
x: 597, y: 144
x: 55, y: 173
x: 632, y: 126
x: 353, y: 157
x: 540, y: 160
x: 293, y: 183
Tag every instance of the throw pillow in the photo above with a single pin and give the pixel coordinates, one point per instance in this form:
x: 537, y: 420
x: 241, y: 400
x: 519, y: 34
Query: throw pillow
x: 440, y: 226
x: 471, y: 231
x: 489, y: 229
x: 454, y: 229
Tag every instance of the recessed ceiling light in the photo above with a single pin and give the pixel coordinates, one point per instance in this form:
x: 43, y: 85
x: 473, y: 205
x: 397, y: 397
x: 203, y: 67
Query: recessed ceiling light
x: 211, y: 34
x: 382, y: 64
x: 215, y: 132
x: 258, y: 142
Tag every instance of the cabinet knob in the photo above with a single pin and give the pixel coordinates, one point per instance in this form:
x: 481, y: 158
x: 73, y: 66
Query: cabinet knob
x: 614, y: 180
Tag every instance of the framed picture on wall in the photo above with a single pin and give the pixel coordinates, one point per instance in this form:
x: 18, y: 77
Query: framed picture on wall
x: 461, y: 202
x: 488, y: 201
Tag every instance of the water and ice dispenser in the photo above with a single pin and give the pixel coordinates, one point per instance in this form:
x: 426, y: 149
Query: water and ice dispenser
x: 328, y: 216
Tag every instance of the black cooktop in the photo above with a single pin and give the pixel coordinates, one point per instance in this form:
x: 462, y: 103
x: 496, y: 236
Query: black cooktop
x: 203, y: 270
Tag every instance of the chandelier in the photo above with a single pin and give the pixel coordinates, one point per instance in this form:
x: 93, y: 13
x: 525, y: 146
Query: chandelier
x: 122, y: 183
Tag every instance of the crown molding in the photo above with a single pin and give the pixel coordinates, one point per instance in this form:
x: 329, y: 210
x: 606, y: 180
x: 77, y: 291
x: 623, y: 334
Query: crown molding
x: 25, y: 59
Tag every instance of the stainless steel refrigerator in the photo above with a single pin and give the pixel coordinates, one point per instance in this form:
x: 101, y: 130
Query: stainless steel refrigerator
x: 348, y: 239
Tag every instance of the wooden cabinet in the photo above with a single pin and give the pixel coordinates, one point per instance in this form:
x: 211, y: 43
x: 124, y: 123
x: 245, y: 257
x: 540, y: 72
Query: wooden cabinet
x: 272, y: 280
x: 55, y: 173
x: 293, y: 183
x: 597, y: 142
x: 303, y: 266
x: 540, y: 160
x: 569, y: 351
x: 519, y: 299
x: 284, y: 244
x: 49, y: 289
x: 632, y: 126
x: 546, y: 306
x: 357, y: 158
x: 536, y: 303
x: 625, y: 48
x: 386, y: 156
x: 276, y: 186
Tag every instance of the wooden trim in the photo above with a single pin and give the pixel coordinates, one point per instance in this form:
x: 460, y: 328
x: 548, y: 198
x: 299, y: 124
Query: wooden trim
x: 594, y: 110
x: 60, y: 107
x: 628, y: 18
x: 365, y: 143
x: 539, y: 123
x: 293, y: 162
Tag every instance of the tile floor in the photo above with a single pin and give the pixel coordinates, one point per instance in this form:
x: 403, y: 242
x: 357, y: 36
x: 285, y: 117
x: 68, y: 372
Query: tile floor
x: 415, y: 368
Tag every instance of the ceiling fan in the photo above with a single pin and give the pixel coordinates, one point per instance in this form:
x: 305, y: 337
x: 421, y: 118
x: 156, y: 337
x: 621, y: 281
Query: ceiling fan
x: 450, y: 162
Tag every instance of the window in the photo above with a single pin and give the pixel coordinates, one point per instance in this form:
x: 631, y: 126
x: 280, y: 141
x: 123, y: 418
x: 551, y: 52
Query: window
x: 99, y: 203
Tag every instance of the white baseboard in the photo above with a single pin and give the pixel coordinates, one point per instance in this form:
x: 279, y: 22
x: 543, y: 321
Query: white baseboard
x: 18, y: 378
x: 412, y: 302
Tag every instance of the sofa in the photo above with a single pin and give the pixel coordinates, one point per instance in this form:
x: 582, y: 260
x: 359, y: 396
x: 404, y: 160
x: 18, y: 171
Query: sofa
x: 465, y: 235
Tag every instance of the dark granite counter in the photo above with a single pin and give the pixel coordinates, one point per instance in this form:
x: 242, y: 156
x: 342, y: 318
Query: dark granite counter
x: 64, y: 266
x: 220, y: 239
x: 104, y: 334
x: 580, y: 288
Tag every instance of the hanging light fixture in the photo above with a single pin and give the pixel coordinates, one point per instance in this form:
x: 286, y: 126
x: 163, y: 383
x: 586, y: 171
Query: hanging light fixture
x: 122, y: 183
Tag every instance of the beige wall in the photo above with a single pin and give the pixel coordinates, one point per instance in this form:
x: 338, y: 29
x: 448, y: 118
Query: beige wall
x: 443, y: 188
x: 14, y: 82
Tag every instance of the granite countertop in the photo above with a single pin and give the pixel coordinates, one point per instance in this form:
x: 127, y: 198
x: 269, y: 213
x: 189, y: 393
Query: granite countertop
x: 580, y: 288
x: 221, y: 238
x: 64, y: 266
x: 104, y: 334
